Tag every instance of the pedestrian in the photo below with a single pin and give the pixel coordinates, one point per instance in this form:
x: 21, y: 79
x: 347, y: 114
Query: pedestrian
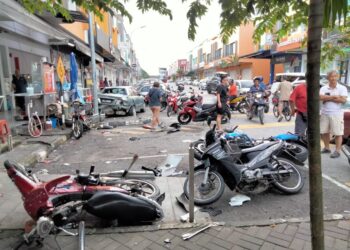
x: 19, y: 84
x: 285, y: 88
x: 106, y: 82
x: 298, y: 105
x: 109, y: 83
x: 232, y: 90
x: 154, y: 96
x: 332, y: 97
x: 102, y: 84
x: 222, y: 99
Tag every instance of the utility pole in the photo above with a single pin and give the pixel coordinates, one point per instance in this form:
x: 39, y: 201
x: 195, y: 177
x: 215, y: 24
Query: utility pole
x: 93, y: 63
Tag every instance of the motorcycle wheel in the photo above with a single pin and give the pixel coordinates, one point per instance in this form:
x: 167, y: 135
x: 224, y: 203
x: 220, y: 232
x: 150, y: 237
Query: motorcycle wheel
x: 199, y: 147
x: 261, y: 116
x: 287, y: 114
x: 163, y: 106
x: 301, y: 153
x: 184, y: 118
x: 169, y: 111
x: 242, y: 107
x: 78, y: 128
x: 140, y: 187
x: 208, y: 193
x: 281, y: 180
x: 267, y: 108
x: 275, y: 110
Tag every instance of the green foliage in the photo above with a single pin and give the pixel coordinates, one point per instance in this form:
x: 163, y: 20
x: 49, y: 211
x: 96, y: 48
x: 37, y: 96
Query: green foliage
x: 196, y: 11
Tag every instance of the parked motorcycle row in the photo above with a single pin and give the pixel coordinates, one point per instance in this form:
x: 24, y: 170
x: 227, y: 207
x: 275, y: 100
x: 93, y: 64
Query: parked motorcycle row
x: 246, y: 165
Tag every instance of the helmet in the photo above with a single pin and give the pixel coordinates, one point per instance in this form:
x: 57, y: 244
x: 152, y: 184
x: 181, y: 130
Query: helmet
x: 180, y: 87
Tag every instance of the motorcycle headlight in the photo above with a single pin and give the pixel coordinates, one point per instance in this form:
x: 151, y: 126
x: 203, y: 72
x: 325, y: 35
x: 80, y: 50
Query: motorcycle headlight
x: 258, y: 95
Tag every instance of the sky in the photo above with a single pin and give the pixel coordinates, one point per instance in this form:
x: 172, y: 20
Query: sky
x: 161, y: 42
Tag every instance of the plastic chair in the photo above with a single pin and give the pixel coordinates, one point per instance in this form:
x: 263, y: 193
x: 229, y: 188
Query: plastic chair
x: 4, y: 131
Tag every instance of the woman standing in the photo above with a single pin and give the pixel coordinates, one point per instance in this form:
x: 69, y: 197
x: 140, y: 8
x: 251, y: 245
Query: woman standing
x: 154, y: 97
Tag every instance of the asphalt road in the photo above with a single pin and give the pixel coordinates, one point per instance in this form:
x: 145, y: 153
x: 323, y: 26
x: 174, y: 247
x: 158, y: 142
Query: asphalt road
x: 112, y: 150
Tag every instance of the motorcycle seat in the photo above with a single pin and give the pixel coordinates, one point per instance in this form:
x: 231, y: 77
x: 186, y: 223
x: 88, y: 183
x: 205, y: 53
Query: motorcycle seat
x: 208, y: 106
x: 259, y: 147
x: 125, y: 208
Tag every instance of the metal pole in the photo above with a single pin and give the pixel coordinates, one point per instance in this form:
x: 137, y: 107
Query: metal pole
x: 191, y: 183
x: 93, y: 63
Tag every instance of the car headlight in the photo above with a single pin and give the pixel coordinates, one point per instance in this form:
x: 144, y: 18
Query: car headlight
x: 124, y: 99
x: 99, y: 101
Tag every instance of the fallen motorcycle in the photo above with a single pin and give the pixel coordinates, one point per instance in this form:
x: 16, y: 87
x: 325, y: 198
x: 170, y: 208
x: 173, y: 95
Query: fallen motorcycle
x: 57, y: 205
x: 250, y: 170
x: 296, y: 145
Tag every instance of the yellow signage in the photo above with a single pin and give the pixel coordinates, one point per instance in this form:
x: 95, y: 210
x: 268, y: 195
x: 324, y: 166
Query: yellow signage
x: 60, y: 70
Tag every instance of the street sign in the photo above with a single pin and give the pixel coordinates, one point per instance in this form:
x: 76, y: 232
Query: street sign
x: 60, y: 70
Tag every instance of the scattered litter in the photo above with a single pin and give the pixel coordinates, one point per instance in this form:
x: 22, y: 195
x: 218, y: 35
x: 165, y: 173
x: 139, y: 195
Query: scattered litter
x: 170, y: 164
x: 105, y: 126
x: 173, y: 130
x: 186, y: 141
x: 109, y: 139
x: 43, y: 172
x: 192, y: 233
x: 108, y: 162
x: 134, y: 138
x: 211, y: 211
x: 66, y: 164
x: 167, y: 241
x: 40, y: 155
x: 238, y: 200
x: 163, y: 151
x: 106, y: 133
x: 337, y: 216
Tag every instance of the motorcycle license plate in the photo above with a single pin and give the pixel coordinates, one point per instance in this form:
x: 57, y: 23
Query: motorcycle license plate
x: 106, y: 101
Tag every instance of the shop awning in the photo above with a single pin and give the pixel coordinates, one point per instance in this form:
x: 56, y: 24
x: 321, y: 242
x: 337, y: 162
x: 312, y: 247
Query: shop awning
x: 268, y: 54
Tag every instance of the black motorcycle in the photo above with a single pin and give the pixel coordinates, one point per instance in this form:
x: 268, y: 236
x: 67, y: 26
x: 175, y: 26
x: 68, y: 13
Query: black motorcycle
x: 257, y: 105
x: 295, y: 144
x: 250, y: 170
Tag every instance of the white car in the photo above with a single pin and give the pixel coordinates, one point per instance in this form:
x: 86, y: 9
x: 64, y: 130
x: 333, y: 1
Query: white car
x: 243, y: 86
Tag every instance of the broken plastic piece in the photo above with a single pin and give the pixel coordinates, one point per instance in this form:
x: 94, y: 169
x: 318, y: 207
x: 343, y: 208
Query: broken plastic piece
x: 238, y: 200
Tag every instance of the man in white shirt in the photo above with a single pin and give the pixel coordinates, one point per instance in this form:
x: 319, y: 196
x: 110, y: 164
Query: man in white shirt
x: 332, y: 97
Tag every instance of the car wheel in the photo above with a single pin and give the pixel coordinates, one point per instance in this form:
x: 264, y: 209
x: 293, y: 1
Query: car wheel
x: 143, y: 109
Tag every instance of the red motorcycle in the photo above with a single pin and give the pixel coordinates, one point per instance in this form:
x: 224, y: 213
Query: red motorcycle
x: 58, y: 204
x: 175, y: 102
x: 195, y: 111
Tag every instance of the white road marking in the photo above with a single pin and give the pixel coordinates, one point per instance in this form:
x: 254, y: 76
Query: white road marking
x: 335, y: 182
x: 148, y: 156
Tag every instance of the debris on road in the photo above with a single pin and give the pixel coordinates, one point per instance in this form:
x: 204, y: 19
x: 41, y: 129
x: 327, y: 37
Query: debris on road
x: 43, y: 172
x: 186, y: 141
x: 238, y: 200
x: 167, y: 241
x: 134, y: 138
x: 193, y: 233
x: 109, y: 139
x: 211, y: 211
x: 168, y: 167
x: 105, y: 126
x: 66, y: 164
x: 108, y: 162
x: 163, y: 151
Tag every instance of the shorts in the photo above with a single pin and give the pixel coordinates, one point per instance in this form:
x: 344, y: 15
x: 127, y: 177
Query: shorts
x: 333, y: 124
x: 222, y: 110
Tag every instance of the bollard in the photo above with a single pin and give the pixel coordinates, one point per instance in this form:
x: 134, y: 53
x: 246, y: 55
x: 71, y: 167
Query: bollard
x: 191, y: 183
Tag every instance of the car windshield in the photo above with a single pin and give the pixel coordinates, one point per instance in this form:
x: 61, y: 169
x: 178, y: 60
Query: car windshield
x: 246, y: 84
x: 120, y: 91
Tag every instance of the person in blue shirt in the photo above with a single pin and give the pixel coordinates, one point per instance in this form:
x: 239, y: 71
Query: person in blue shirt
x: 257, y: 86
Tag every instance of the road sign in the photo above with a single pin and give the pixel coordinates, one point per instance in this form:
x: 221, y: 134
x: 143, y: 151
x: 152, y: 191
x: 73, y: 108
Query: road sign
x: 60, y: 70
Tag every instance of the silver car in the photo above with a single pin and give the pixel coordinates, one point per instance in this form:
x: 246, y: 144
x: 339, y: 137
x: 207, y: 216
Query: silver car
x: 113, y: 100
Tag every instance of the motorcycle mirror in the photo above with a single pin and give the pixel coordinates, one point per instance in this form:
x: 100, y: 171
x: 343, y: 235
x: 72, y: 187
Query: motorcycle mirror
x: 92, y: 169
x: 233, y: 130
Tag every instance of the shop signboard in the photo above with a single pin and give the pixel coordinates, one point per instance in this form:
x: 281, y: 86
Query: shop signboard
x: 48, y: 78
x: 60, y: 70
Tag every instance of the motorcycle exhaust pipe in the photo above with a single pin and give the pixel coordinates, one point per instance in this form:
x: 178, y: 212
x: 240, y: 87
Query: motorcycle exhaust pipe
x: 134, y: 159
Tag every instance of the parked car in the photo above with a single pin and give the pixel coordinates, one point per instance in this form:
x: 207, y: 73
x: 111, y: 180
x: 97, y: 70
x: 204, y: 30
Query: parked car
x: 243, y: 86
x: 121, y: 99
